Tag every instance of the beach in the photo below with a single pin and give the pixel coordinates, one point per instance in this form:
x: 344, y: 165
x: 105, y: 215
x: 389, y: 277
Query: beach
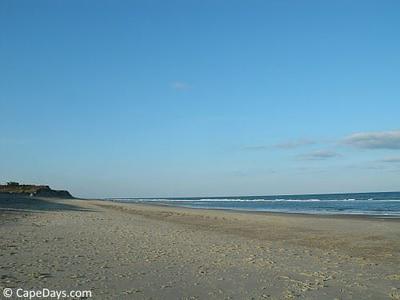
x: 138, y: 251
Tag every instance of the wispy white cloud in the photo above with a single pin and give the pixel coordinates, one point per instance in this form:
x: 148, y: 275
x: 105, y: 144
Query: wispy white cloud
x: 294, y: 144
x: 374, y: 140
x: 360, y: 140
x: 180, y: 85
x: 390, y: 160
x: 383, y: 164
x: 318, y: 155
x: 291, y: 144
x: 256, y: 148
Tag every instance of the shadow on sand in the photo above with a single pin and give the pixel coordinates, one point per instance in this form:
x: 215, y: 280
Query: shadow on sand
x: 26, y: 204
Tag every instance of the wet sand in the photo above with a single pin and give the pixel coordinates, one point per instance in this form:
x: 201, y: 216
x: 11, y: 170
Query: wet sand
x: 134, y: 251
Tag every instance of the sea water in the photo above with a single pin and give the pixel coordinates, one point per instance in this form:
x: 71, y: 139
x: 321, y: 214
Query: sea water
x: 378, y: 204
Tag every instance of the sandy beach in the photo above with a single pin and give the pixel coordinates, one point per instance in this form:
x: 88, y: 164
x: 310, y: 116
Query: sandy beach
x: 134, y: 251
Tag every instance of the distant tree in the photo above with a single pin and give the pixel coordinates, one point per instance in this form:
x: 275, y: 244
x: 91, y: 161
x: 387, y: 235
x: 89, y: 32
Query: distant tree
x: 12, y: 183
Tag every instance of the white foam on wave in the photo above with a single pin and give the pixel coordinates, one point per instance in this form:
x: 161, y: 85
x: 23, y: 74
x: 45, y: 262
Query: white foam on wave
x: 246, y: 200
x: 222, y: 200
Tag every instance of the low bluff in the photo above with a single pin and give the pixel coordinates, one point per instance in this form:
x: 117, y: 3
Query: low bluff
x: 33, y: 190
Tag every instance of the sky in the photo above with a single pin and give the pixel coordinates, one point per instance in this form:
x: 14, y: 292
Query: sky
x: 200, y: 98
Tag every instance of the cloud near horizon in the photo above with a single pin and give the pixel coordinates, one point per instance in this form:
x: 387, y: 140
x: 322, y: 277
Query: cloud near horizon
x: 374, y: 140
x: 390, y: 160
x: 318, y: 155
x: 294, y: 144
x: 361, y: 140
x: 291, y: 144
x: 256, y: 148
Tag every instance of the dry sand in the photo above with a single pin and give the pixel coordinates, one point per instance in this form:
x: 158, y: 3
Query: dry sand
x: 132, y: 251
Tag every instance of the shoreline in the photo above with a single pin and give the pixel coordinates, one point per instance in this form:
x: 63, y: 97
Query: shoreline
x: 395, y: 218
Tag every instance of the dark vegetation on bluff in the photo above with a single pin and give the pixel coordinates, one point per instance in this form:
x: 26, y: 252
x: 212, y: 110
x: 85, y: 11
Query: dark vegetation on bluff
x: 33, y: 190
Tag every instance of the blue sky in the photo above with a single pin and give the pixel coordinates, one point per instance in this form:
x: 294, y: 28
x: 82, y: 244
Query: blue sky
x: 194, y: 98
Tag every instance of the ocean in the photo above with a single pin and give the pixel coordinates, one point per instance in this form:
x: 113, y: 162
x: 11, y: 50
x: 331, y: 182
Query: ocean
x: 376, y: 204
